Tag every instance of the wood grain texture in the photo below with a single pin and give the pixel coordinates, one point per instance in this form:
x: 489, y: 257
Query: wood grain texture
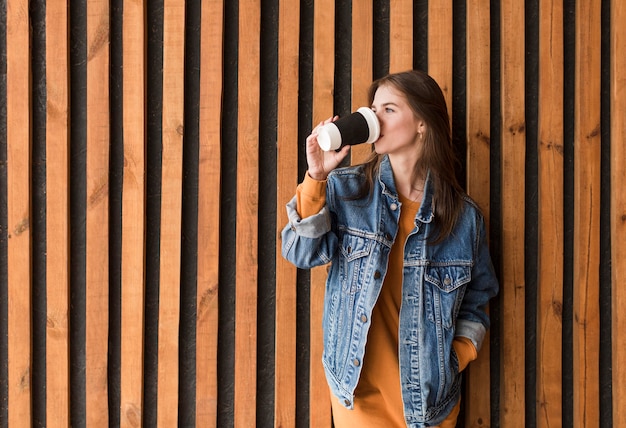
x: 400, y: 35
x: 440, y: 46
x: 478, y: 380
x: 133, y: 216
x: 618, y: 209
x: 18, y: 214
x: 323, y: 85
x: 247, y: 213
x: 97, y: 230
x: 171, y: 208
x: 285, y: 379
x: 550, y: 205
x: 57, y: 216
x: 362, y: 69
x: 209, y: 172
x: 587, y: 167
x: 512, y: 385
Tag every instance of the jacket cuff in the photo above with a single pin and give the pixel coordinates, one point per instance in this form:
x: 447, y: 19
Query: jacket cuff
x: 474, y: 331
x: 314, y: 226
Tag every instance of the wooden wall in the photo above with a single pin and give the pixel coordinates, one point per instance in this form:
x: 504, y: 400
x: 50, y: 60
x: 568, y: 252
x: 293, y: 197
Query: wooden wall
x: 147, y: 150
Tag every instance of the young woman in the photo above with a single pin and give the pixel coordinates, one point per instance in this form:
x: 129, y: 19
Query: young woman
x: 410, y: 274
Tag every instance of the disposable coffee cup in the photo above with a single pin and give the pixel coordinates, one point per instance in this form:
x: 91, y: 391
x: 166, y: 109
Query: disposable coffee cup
x: 359, y: 127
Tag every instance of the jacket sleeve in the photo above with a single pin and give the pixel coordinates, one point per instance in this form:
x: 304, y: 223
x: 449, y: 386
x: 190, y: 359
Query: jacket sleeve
x: 307, y: 240
x: 473, y: 320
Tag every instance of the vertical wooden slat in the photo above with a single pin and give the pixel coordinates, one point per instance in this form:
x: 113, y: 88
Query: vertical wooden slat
x: 587, y: 216
x: 57, y: 216
x: 323, y: 85
x: 133, y: 215
x: 247, y: 213
x: 550, y: 203
x: 400, y: 35
x: 171, y: 208
x: 18, y: 216
x: 618, y: 209
x: 287, y: 157
x: 97, y: 231
x: 478, y: 403
x: 512, y: 388
x: 209, y: 170
x: 362, y: 45
x: 440, y: 46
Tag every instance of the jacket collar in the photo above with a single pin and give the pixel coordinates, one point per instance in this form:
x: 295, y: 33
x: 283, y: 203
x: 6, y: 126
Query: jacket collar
x: 388, y: 186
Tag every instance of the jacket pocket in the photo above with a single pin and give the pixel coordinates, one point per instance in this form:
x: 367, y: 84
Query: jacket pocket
x: 354, y: 251
x: 444, y: 292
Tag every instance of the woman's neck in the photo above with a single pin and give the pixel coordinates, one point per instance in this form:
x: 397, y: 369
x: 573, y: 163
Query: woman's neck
x: 408, y: 183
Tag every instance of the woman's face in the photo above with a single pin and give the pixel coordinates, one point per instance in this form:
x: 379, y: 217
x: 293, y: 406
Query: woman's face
x: 399, y: 128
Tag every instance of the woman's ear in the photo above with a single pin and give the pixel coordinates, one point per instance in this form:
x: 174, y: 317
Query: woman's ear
x: 421, y: 126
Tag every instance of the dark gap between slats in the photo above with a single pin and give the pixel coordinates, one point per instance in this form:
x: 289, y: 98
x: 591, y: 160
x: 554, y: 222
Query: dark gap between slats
x: 380, y: 42
x: 38, y: 211
x: 189, y: 250
x: 495, y: 216
x: 78, y: 203
x: 569, y: 69
x: 228, y: 214
x: 606, y: 362
x: 420, y: 35
x: 305, y: 118
x: 116, y: 175
x: 459, y: 88
x: 342, y: 104
x: 266, y: 311
x: 531, y: 219
x: 154, y: 160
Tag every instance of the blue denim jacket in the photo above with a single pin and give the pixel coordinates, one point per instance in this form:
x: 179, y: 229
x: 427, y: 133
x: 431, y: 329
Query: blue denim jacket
x: 445, y: 291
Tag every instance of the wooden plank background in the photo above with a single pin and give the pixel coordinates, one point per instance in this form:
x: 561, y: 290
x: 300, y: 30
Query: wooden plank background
x: 142, y: 195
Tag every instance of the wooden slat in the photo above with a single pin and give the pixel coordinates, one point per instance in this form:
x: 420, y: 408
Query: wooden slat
x: 209, y: 171
x: 133, y: 215
x: 618, y: 209
x: 362, y: 45
x: 512, y: 388
x: 18, y: 198
x: 400, y: 35
x: 323, y: 84
x: 97, y: 231
x: 440, y: 46
x: 287, y: 157
x: 171, y: 208
x: 247, y: 213
x: 478, y: 397
x: 550, y: 204
x: 57, y: 216
x: 586, y: 329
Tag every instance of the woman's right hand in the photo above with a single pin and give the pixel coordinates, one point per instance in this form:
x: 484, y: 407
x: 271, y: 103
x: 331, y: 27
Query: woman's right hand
x: 321, y: 163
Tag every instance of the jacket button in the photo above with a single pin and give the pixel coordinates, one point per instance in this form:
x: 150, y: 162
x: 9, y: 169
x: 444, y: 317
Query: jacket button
x: 447, y: 281
x: 363, y: 318
x: 346, y: 402
x: 393, y: 206
x: 388, y: 237
x: 376, y: 275
x: 356, y: 362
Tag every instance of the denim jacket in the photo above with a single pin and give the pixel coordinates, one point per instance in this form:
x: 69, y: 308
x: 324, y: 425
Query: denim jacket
x: 445, y: 290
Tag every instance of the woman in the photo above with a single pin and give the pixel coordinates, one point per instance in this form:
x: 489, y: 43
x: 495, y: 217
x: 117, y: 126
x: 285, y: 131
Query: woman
x: 410, y: 274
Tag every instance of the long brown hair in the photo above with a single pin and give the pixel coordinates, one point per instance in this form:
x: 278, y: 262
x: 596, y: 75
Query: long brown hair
x: 438, y: 155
